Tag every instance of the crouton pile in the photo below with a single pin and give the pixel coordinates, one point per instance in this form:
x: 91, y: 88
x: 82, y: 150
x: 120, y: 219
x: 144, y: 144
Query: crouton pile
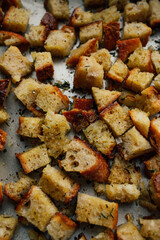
x: 104, y: 131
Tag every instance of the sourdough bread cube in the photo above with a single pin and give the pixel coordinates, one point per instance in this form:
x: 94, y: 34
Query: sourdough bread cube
x: 61, y: 227
x: 127, y: 98
x: 155, y: 133
x: 125, y: 193
x: 16, y: 20
x: 154, y: 19
x: 155, y: 57
x: 36, y: 36
x: 80, y: 18
x: 111, y: 35
x: 5, y: 85
x: 37, y: 208
x: 13, y: 63
x: 91, y: 30
x: 106, y: 235
x: 154, y: 188
x: 43, y: 65
x: 34, y: 158
x: 92, y: 3
x: 100, y: 137
x: 49, y: 21
x: 8, y: 226
x: 137, y: 81
x: 89, y: 73
x: 3, y: 138
x: 134, y: 145
x: 1, y: 193
x: 128, y: 231
x: 156, y: 82
x: 150, y: 228
x: 60, y: 42
x: 118, y: 71
x: 96, y: 211
x: 84, y: 160
x: 103, y: 57
x: 59, y: 9
x: 153, y: 165
x: 58, y: 185
x: 120, y: 4
x: 6, y: 4
x: 117, y: 118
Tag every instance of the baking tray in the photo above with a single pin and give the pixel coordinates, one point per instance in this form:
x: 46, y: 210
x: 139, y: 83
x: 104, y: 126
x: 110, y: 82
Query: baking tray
x: 10, y: 166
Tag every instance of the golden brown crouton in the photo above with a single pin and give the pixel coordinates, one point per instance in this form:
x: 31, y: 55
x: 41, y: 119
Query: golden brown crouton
x: 8, y: 226
x: 6, y: 4
x: 3, y: 137
x: 91, y: 30
x: 155, y: 133
x: 153, y: 165
x: 97, y: 211
x: 118, y: 71
x: 127, y: 98
x: 49, y: 21
x: 156, y: 82
x: 80, y: 18
x: 111, y: 35
x: 154, y: 13
x: 100, y: 188
x: 155, y: 56
x: 154, y: 188
x: 150, y: 228
x: 83, y: 103
x: 5, y: 85
x: 106, y: 235
x: 36, y: 36
x: 120, y: 4
x: 81, y: 158
x: 1, y: 193
x: 59, y: 9
x: 93, y: 3
x: 103, y: 57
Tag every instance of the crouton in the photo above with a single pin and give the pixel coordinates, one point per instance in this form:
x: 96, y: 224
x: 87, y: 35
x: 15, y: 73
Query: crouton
x: 136, y: 12
x: 103, y: 57
x: 3, y: 137
x: 93, y: 3
x: 5, y: 85
x: 128, y: 231
x: 80, y: 18
x: 153, y: 165
x: 117, y: 118
x: 127, y: 98
x: 118, y: 71
x: 60, y: 42
x: 97, y: 211
x: 156, y: 82
x: 100, y: 137
x: 154, y: 188
x: 13, y: 63
x: 140, y: 120
x: 106, y: 235
x: 6, y: 4
x: 8, y: 226
x: 155, y: 57
x: 154, y: 19
x: 133, y: 145
x: 43, y: 65
x: 91, y: 30
x: 16, y: 20
x: 125, y: 47
x: 58, y: 185
x: 16, y: 190
x: 84, y: 50
x: 120, y: 4
x: 137, y: 30
x: 150, y: 228
x: 34, y: 158
x: 49, y: 21
x: 125, y: 193
x: 55, y: 129
x: 59, y: 9
x: 1, y: 193
x: 155, y: 133
x: 83, y: 103
x: 81, y: 158
x: 100, y: 188
x: 141, y: 58
x: 137, y: 81
x: 61, y: 227
x: 111, y: 35
x: 34, y: 235
x: 37, y: 208
x: 36, y: 36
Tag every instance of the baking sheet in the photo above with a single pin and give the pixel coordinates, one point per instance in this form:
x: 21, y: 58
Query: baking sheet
x: 10, y: 166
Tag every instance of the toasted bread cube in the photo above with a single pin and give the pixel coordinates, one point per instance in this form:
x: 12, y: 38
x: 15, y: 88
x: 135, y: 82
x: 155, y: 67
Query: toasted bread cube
x: 6, y: 4
x: 128, y: 46
x: 60, y: 42
x: 36, y: 36
x: 84, y: 50
x: 155, y: 133
x: 127, y: 98
x: 16, y: 19
x: 49, y: 21
x: 154, y: 188
x: 8, y: 226
x: 92, y: 3
x: 111, y: 35
x: 150, y: 228
x: 156, y: 82
x: 103, y: 57
x: 34, y: 158
x: 137, y: 30
x: 153, y: 165
x: 128, y: 231
x: 88, y: 73
x: 91, y: 30
x: 154, y: 6
x: 134, y: 144
x: 125, y: 193
x: 140, y: 120
x: 81, y: 158
x: 117, y: 118
x: 97, y: 211
x: 141, y: 58
x: 58, y: 185
x: 106, y: 235
x: 80, y: 18
x: 83, y: 103
x: 99, y: 188
x: 118, y: 71
x: 3, y: 137
x: 155, y: 56
x: 1, y: 193
x: 37, y: 208
x: 34, y: 235
x: 99, y: 136
x: 15, y: 64
x: 5, y: 85
x: 59, y: 9
x: 120, y: 4
x: 43, y: 65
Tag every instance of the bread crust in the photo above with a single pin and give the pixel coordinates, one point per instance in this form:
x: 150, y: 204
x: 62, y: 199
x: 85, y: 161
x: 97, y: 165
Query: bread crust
x: 3, y: 137
x: 4, y: 90
x: 1, y: 193
x: 111, y: 35
x: 6, y: 4
x: 155, y: 133
x: 83, y: 103
x: 153, y: 165
x: 49, y: 21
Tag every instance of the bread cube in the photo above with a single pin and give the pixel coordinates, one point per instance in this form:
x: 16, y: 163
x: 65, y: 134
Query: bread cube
x: 13, y: 63
x: 156, y: 82
x: 60, y: 42
x: 141, y: 58
x: 34, y: 235
x: 88, y: 73
x: 133, y: 145
x: 83, y: 103
x: 120, y: 4
x: 117, y: 118
x: 97, y: 211
x: 3, y: 138
x: 99, y: 188
x: 106, y: 235
x: 84, y: 160
x: 155, y: 133
x: 125, y: 193
x: 80, y: 18
x: 92, y: 3
x: 58, y: 185
x: 37, y: 208
x: 36, y: 36
x: 125, y: 47
x: 154, y: 188
x: 153, y: 165
x: 154, y: 6
x: 150, y: 228
x: 91, y: 30
x: 43, y: 65
x: 59, y: 9
x: 1, y: 193
x: 84, y: 50
x: 140, y: 120
x: 6, y: 4
x: 16, y: 20
x: 127, y: 98
x: 5, y: 85
x: 103, y: 57
x: 137, y: 30
x: 155, y: 57
x: 100, y: 137
x: 118, y: 71
x: 8, y: 226
x: 49, y: 21
x: 111, y: 35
